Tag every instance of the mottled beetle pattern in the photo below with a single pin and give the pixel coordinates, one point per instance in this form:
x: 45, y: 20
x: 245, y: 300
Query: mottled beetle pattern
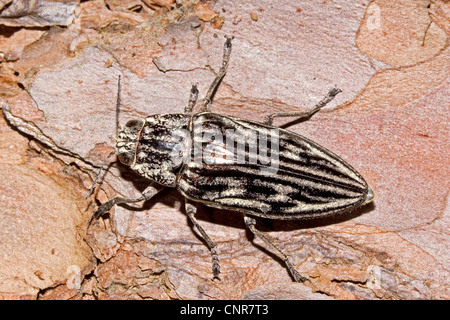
x: 170, y: 150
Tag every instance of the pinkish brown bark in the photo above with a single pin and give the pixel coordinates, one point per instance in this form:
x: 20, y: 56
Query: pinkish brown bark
x: 391, y: 123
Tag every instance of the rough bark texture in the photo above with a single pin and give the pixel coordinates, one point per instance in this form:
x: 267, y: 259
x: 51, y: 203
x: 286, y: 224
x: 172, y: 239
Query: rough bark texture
x: 390, y: 59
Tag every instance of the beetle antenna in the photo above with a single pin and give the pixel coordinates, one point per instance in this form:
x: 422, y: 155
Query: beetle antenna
x: 118, y: 106
x: 99, y: 173
x: 102, y: 167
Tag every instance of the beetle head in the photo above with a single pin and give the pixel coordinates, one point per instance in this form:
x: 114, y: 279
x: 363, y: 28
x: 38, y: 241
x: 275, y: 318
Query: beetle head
x: 127, y: 142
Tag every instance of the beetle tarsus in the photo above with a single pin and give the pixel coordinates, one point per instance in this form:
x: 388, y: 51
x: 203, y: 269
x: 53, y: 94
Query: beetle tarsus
x: 192, y: 99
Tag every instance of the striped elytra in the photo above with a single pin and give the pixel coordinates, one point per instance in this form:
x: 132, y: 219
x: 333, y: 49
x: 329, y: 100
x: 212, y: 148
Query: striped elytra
x: 310, y: 181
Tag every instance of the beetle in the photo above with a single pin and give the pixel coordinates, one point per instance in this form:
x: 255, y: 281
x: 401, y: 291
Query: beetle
x: 299, y: 180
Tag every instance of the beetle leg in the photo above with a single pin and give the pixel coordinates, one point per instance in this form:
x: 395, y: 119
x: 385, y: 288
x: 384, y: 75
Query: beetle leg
x: 251, y: 225
x: 190, y: 211
x: 304, y: 114
x: 192, y: 99
x: 147, y: 194
x: 212, y: 88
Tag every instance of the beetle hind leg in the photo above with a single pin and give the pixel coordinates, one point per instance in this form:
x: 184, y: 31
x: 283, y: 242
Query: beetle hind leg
x: 304, y: 115
x: 251, y: 225
x: 190, y: 211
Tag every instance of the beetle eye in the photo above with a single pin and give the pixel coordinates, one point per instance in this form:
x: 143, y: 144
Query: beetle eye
x: 134, y: 126
x: 126, y: 158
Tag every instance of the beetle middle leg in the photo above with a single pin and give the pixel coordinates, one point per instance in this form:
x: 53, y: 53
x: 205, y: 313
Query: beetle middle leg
x: 304, y: 114
x: 191, y: 209
x: 251, y: 225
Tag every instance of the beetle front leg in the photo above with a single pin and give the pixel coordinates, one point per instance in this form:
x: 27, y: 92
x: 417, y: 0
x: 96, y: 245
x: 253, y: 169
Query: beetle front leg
x: 251, y: 225
x: 223, y: 70
x: 190, y: 211
x: 147, y: 194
